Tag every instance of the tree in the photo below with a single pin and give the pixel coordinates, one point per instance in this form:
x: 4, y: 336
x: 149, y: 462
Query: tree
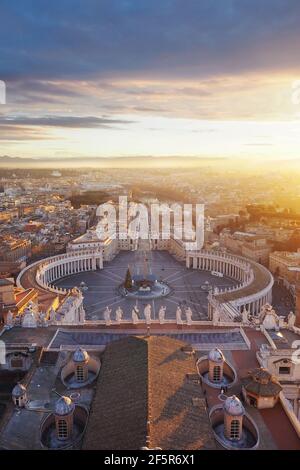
x: 128, y: 280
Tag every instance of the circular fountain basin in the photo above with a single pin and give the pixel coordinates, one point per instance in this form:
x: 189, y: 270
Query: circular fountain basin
x: 146, y: 288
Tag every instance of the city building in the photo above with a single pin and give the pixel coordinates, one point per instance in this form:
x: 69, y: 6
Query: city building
x: 14, y: 250
x: 282, y: 264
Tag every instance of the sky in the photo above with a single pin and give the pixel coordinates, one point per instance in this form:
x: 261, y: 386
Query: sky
x: 89, y: 78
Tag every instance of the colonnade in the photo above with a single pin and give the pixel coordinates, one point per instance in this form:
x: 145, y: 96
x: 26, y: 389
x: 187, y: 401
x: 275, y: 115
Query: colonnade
x: 243, y: 271
x: 56, y: 267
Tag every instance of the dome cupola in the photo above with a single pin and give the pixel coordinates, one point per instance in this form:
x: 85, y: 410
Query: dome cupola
x: 215, y: 365
x: 80, y: 355
x: 233, y: 406
x: 64, y: 406
x: 19, y: 395
x: 216, y: 355
x: 233, y: 418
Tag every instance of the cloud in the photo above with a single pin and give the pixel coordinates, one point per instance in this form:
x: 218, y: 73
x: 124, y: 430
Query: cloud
x: 61, y: 121
x: 259, y: 144
x: 15, y: 133
x: 84, y: 39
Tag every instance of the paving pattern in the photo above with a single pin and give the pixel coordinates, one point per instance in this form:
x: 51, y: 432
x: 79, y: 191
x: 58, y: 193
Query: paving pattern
x: 185, y: 286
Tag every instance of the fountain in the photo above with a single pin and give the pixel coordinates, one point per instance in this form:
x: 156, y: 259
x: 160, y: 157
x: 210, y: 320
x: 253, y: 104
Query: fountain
x: 145, y: 285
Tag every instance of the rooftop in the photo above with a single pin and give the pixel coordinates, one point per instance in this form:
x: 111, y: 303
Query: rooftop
x: 151, y: 387
x: 261, y: 383
x: 262, y: 278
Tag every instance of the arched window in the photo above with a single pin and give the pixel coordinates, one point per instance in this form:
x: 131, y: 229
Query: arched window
x: 235, y: 429
x: 217, y: 374
x: 62, y: 429
x: 80, y: 373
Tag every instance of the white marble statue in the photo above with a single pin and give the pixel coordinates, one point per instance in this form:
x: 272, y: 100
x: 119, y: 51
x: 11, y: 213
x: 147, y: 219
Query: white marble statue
x: 52, y: 316
x: 42, y: 319
x: 269, y: 318
x: 106, y: 316
x: 216, y: 315
x: 147, y: 313
x: 188, y: 314
x: 161, y: 314
x: 178, y: 316
x: 9, y: 319
x: 291, y: 319
x: 119, y: 314
x: 134, y: 314
x: 29, y: 320
x: 245, y: 316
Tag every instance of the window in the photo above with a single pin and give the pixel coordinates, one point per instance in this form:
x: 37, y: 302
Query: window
x: 17, y: 363
x: 62, y: 429
x: 217, y: 374
x: 284, y: 370
x: 235, y: 429
x: 80, y: 374
x: 252, y: 401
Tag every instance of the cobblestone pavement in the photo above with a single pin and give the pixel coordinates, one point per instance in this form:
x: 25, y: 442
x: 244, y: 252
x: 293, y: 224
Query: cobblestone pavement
x: 185, y: 286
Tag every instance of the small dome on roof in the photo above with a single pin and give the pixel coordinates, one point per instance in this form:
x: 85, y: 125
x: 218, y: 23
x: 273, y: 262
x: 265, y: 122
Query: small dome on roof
x: 80, y: 355
x: 64, y: 406
x: 18, y: 391
x: 216, y: 355
x: 233, y: 406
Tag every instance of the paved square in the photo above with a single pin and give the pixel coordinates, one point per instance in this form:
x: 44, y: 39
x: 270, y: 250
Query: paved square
x: 185, y: 286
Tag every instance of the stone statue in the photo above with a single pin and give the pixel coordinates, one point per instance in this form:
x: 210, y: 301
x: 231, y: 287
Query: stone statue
x: 106, y: 315
x: 188, y: 314
x: 268, y: 317
x: 245, y: 314
x: 42, y: 319
x: 52, y: 315
x: 119, y: 314
x: 216, y: 315
x: 291, y: 319
x: 134, y: 314
x: 9, y: 319
x: 161, y: 314
x: 29, y: 320
x: 178, y: 316
x: 147, y: 313
x: 81, y: 314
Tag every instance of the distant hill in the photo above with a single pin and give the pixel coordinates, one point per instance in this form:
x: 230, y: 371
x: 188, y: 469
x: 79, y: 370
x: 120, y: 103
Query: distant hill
x: 109, y: 162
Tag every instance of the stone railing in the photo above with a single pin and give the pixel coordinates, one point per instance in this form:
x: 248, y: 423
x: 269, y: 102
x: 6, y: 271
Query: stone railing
x: 246, y: 272
x: 53, y: 268
x: 290, y: 413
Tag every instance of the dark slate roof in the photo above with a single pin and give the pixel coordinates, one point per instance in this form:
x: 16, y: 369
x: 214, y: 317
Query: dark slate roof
x: 261, y: 383
x: 148, y: 380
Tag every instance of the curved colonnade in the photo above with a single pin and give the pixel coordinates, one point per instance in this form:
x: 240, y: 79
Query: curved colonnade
x: 51, y: 269
x: 254, y: 288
